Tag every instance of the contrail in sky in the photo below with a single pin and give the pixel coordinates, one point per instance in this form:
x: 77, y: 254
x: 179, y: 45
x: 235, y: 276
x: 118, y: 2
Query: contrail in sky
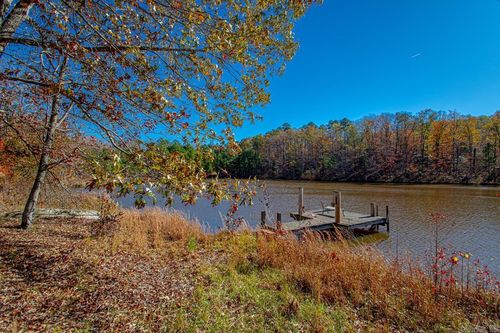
x: 416, y: 55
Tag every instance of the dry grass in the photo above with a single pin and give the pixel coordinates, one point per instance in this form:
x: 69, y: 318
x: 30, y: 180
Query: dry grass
x: 14, y: 191
x: 380, y: 291
x: 154, y: 228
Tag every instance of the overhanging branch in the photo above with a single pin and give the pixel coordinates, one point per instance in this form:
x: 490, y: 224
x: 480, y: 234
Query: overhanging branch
x: 99, y: 48
x: 27, y: 81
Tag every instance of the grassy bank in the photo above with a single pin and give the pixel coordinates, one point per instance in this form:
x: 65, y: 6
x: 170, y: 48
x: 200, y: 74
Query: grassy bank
x: 153, y: 271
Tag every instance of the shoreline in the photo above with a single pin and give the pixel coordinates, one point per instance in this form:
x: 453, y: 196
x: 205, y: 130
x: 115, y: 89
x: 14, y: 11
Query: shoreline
x: 157, y: 271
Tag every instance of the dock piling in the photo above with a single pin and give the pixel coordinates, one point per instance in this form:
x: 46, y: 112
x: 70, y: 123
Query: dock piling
x: 372, y: 209
x: 387, y: 217
x: 338, y: 206
x: 301, y: 202
x: 376, y: 210
x: 262, y: 219
x: 278, y: 221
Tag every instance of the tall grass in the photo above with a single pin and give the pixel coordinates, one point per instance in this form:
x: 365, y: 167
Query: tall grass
x: 380, y: 290
x: 154, y: 228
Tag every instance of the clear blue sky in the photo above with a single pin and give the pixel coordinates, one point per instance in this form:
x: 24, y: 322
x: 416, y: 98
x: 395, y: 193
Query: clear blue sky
x: 362, y: 57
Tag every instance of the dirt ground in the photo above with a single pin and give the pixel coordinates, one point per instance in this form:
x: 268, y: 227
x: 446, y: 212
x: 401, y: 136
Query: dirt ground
x: 55, y: 276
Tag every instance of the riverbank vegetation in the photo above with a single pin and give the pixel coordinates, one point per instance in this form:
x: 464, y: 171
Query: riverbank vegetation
x: 157, y: 271
x: 83, y: 87
x: 428, y: 147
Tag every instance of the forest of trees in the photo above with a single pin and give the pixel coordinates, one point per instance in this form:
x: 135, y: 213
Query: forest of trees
x: 428, y: 147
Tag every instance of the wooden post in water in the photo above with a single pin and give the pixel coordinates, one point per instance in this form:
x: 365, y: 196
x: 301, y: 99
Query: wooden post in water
x: 376, y: 210
x: 338, y: 206
x: 278, y: 221
x: 387, y: 217
x: 301, y: 202
x: 263, y: 219
x: 372, y: 209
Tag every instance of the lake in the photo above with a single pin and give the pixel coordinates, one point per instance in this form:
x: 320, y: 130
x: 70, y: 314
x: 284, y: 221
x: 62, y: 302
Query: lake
x: 472, y: 213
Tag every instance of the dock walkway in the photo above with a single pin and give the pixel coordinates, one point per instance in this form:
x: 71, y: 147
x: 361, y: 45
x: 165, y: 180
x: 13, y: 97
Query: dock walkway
x: 324, y: 219
x: 329, y: 218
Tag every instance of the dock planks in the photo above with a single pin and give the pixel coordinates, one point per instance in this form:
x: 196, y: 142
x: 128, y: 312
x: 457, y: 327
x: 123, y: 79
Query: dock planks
x: 324, y: 219
x: 329, y: 218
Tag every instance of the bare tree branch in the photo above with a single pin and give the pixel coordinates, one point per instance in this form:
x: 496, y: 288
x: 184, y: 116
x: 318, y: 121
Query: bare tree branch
x: 109, y: 133
x: 27, y: 81
x: 100, y: 49
x: 18, y: 134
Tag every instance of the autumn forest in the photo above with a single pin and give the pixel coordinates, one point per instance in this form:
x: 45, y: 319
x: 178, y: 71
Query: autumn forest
x: 435, y: 147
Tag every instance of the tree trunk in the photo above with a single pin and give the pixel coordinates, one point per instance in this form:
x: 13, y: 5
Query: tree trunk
x: 10, y: 21
x: 4, y: 8
x: 43, y: 165
x: 474, y: 161
x: 29, y: 208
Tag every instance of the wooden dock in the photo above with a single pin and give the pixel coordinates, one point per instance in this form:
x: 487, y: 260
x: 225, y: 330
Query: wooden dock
x: 319, y: 220
x: 330, y: 218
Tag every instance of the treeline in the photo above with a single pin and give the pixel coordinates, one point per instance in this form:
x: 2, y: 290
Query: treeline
x: 428, y: 147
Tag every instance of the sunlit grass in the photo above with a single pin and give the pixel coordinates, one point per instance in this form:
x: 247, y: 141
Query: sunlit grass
x: 393, y: 293
x: 154, y: 228
x: 255, y: 301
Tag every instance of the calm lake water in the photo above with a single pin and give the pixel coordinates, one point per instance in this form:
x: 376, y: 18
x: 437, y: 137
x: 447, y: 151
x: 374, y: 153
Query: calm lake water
x: 472, y: 213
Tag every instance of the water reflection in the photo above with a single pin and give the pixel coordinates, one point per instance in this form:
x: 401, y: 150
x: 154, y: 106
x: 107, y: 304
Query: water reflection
x: 472, y: 213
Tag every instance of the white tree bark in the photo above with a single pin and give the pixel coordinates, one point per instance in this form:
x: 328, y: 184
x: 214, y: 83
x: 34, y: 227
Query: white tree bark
x: 11, y: 20
x: 4, y: 8
x: 43, y: 165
